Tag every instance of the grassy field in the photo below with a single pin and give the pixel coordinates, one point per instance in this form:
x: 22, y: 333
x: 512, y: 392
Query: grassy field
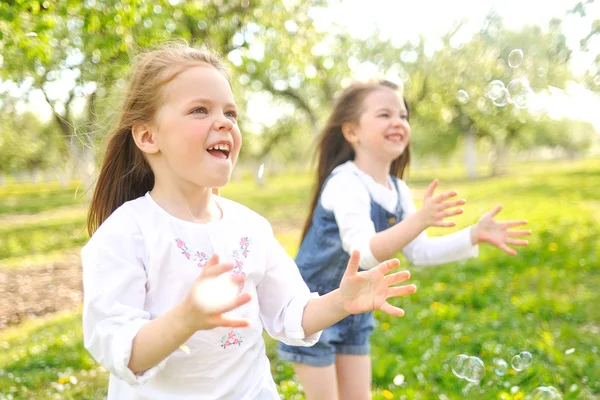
x: 544, y: 301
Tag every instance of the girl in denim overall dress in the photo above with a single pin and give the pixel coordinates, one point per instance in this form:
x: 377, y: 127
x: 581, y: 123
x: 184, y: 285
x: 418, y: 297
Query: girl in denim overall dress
x: 361, y: 203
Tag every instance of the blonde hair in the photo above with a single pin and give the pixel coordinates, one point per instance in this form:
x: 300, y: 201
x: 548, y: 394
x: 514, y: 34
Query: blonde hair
x: 125, y: 174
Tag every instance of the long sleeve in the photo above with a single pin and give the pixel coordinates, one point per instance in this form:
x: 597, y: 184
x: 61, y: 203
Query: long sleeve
x: 282, y: 296
x: 114, y: 285
x: 349, y: 200
x: 428, y: 251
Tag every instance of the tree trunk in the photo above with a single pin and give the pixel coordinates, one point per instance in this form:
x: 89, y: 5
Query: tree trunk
x: 500, y: 159
x: 470, y: 153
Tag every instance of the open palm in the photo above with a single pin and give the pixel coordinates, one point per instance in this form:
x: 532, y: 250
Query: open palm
x: 498, y: 234
x: 369, y: 290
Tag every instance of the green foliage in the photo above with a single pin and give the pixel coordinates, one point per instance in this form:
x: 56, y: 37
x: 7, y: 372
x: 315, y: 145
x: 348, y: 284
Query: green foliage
x: 544, y: 300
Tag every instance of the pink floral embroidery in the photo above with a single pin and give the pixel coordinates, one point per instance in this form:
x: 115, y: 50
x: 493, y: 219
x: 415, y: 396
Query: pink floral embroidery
x: 199, y: 257
x: 239, y: 257
x: 232, y: 337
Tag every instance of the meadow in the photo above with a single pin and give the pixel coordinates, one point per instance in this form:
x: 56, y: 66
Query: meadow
x: 544, y: 301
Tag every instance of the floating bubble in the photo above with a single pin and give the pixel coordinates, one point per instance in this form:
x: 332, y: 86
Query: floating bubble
x: 496, y: 91
x: 541, y: 71
x: 502, y: 100
x: 521, y: 361
x: 520, y: 92
x: 475, y: 369
x: 462, y: 96
x: 545, y: 393
x: 459, y: 365
x: 515, y: 58
x: 399, y: 380
x: 500, y: 367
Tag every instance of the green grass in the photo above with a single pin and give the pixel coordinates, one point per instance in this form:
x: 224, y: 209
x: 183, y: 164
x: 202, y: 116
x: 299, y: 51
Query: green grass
x: 544, y: 301
x: 33, y: 198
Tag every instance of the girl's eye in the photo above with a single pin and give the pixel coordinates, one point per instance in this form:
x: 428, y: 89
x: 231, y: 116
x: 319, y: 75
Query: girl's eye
x: 404, y: 117
x: 200, y: 110
x: 231, y: 114
x: 384, y: 115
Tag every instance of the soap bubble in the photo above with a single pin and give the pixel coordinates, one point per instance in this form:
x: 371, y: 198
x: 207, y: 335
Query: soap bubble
x: 462, y: 96
x: 545, y: 393
x: 500, y: 367
x: 521, y: 361
x: 515, y: 58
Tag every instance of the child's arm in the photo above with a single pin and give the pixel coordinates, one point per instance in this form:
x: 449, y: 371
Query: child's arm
x: 357, y: 230
x: 387, y: 243
x: 163, y: 335
x: 359, y: 292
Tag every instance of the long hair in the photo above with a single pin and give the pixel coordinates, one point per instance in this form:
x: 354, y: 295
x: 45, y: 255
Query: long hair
x: 333, y: 148
x: 125, y: 174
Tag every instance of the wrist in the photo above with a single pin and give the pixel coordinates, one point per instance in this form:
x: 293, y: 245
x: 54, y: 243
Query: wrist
x: 186, y: 315
x: 336, y: 298
x: 474, y: 235
x: 419, y: 219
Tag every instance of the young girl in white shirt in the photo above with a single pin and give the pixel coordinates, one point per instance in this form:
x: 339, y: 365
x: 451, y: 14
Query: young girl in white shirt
x: 179, y: 283
x: 361, y: 203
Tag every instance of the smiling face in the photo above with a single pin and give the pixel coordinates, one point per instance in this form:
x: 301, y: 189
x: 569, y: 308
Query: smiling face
x: 195, y: 137
x: 383, y: 131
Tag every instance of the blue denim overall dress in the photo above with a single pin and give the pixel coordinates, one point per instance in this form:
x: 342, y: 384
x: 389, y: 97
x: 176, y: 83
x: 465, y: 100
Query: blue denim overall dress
x: 322, y: 262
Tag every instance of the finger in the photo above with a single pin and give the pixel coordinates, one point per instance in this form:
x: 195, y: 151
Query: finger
x: 444, y: 224
x: 454, y: 203
x: 213, y: 260
x: 237, y: 302
x: 238, y: 279
x: 495, y: 211
x: 213, y: 271
x: 398, y: 291
x: 398, y: 277
x: 224, y: 321
x: 507, y: 250
x: 445, y: 196
x: 390, y: 309
x: 431, y: 188
x: 450, y: 213
x: 518, y: 233
x: 516, y: 242
x: 388, y: 265
x: 353, y: 264
x: 510, y: 224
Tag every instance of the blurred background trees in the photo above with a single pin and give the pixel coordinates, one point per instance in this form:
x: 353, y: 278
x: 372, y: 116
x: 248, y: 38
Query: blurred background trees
x: 71, y: 57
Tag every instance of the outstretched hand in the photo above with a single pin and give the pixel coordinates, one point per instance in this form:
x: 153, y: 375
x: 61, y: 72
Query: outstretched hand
x: 497, y: 234
x: 369, y: 290
x: 435, y: 209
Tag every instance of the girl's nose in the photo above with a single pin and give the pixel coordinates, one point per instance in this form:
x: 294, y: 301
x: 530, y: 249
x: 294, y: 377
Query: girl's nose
x: 223, y: 123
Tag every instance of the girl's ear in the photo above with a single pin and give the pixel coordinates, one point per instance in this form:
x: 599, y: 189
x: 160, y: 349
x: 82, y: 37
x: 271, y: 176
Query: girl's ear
x: 144, y: 138
x: 349, y: 132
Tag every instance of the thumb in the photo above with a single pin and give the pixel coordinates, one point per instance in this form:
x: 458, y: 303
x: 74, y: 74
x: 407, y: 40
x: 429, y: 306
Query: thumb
x: 431, y: 189
x: 353, y: 264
